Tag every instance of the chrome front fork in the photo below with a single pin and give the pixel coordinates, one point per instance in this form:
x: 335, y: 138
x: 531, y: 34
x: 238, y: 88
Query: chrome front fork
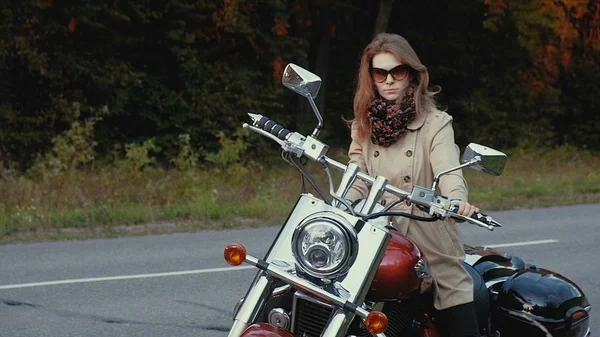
x: 253, y: 304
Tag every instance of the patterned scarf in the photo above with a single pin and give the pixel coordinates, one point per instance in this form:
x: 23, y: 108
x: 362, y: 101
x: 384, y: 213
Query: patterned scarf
x: 389, y: 120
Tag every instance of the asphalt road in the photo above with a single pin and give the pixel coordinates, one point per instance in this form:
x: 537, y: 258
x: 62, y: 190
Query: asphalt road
x: 179, y: 285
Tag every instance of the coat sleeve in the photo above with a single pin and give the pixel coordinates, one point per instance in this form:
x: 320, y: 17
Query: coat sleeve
x: 445, y: 155
x: 359, y: 189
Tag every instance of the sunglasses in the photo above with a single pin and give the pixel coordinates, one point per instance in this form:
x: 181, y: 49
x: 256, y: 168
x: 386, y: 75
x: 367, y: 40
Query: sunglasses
x: 398, y: 73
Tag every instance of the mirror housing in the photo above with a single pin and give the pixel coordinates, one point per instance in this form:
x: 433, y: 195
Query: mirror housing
x: 484, y: 159
x: 307, y: 84
x: 301, y: 81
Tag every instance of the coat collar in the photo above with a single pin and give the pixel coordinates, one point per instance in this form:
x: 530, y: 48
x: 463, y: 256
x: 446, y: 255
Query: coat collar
x: 418, y: 122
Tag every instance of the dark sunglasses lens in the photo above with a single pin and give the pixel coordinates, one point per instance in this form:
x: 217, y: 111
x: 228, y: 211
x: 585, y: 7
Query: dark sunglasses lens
x: 399, y: 73
x: 378, y: 75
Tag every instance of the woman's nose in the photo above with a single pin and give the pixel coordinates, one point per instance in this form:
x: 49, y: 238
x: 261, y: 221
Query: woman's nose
x: 389, y: 79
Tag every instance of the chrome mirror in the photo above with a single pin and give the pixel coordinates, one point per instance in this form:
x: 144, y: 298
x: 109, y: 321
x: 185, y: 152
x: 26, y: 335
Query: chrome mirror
x: 301, y: 81
x: 479, y: 157
x: 307, y: 84
x: 485, y: 159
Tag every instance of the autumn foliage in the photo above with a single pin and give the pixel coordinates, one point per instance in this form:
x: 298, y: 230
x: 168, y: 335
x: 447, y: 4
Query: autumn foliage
x: 553, y: 31
x: 512, y: 72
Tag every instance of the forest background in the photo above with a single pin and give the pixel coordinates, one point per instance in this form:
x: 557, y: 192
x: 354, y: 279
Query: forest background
x: 116, y: 113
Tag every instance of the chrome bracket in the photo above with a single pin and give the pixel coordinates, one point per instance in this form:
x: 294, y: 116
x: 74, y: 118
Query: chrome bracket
x: 422, y: 269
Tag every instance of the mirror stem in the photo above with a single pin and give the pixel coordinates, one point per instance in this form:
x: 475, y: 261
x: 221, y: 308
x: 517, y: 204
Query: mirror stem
x: 315, y: 133
x: 471, y: 162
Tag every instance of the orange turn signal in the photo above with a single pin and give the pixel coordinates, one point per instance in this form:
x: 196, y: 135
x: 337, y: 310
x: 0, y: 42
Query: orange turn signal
x: 376, y: 322
x: 235, y: 254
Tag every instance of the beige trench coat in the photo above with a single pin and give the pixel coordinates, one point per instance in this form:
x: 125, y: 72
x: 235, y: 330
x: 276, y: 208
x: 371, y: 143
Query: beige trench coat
x: 426, y: 149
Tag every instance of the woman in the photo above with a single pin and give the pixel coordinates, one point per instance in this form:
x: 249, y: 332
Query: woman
x: 398, y: 133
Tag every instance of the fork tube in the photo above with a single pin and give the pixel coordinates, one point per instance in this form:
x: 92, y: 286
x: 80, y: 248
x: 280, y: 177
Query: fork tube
x: 377, y: 190
x: 338, y: 324
x: 252, y: 306
x: 347, y: 180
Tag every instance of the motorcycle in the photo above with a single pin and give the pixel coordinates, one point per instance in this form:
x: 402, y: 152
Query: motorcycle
x: 338, y: 269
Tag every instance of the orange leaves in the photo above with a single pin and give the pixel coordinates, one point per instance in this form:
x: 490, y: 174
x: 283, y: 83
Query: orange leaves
x: 238, y: 6
x: 566, y: 57
x: 577, y: 8
x: 280, y: 28
x: 497, y: 5
x: 534, y: 81
x: 550, y: 30
x: 495, y: 13
x: 278, y: 68
x: 574, y: 21
x: 72, y: 25
x: 592, y: 35
x: 234, y: 17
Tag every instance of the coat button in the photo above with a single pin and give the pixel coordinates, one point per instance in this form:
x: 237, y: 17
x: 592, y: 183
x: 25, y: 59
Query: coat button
x: 409, y: 153
x: 376, y: 154
x: 407, y: 179
x: 383, y: 202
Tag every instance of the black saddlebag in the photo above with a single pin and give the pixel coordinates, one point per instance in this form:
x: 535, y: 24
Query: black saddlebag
x: 534, y: 299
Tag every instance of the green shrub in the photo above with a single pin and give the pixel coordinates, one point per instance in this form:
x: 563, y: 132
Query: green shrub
x: 186, y: 158
x: 72, y: 149
x: 139, y: 156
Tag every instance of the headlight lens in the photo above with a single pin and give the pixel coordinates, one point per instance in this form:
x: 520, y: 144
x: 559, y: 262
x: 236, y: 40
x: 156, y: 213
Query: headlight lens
x: 324, y: 246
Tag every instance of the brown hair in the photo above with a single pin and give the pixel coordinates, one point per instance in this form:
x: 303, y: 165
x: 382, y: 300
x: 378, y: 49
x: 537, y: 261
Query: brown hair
x: 365, y: 89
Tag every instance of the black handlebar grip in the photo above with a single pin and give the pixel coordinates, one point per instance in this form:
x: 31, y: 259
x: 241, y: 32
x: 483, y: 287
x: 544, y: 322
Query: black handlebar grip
x: 485, y: 219
x: 272, y: 127
x: 477, y: 216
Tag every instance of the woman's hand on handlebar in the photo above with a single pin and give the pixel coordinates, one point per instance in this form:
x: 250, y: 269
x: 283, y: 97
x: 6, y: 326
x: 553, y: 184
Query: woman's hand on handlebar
x: 465, y: 209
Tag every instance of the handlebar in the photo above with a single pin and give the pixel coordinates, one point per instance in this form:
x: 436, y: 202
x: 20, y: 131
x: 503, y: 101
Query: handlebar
x: 478, y: 219
x: 268, y: 125
x: 484, y: 220
x: 313, y: 149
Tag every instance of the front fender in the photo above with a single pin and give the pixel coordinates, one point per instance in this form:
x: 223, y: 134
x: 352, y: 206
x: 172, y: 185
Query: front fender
x: 265, y: 330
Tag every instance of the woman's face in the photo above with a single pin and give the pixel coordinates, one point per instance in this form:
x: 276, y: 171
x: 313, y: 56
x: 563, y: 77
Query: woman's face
x: 396, y: 75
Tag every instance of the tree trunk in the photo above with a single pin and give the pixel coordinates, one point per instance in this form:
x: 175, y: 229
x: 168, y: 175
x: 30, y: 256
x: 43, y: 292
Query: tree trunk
x: 322, y: 58
x: 383, y: 16
x: 318, y: 35
x: 303, y: 109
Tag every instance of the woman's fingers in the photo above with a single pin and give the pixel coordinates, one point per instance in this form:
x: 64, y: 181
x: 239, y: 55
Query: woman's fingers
x: 466, y: 209
x: 471, y: 210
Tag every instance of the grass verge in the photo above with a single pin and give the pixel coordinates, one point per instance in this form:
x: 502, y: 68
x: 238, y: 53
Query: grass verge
x: 111, y: 202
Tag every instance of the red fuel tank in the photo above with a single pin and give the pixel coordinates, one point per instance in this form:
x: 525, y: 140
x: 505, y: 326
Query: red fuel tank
x: 396, y: 277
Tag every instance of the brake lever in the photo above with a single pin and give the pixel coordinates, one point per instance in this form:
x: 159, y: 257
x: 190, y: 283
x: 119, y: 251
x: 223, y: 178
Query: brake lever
x: 478, y: 219
x: 263, y: 133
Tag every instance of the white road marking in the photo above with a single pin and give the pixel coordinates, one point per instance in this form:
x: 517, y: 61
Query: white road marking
x: 122, y: 277
x: 524, y: 243
x: 202, y: 271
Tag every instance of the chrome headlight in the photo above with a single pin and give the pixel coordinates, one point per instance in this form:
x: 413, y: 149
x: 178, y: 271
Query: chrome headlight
x: 325, y: 245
